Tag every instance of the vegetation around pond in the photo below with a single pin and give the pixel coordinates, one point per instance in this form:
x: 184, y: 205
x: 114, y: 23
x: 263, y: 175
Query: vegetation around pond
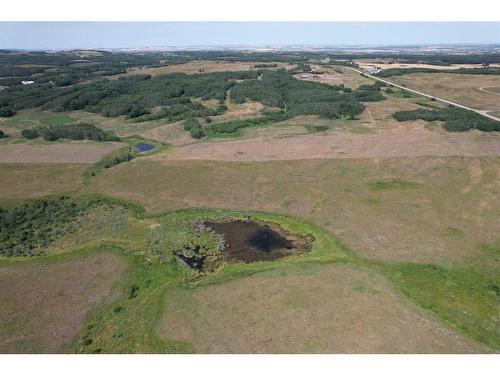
x: 125, y: 154
x: 464, y: 297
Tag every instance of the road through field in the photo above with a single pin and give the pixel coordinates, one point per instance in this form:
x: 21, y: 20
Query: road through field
x: 483, y: 89
x: 481, y: 112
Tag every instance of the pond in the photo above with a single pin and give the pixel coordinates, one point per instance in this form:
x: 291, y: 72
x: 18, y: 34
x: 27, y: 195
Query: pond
x: 144, y: 147
x: 250, y: 241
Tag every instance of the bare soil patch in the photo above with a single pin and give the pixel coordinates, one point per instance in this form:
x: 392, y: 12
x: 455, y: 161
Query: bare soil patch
x: 239, y: 111
x: 44, y: 306
x: 328, y: 309
x: 337, y: 75
x: 64, y: 153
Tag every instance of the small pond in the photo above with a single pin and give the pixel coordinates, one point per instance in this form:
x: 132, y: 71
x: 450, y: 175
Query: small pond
x: 144, y: 147
x: 249, y: 241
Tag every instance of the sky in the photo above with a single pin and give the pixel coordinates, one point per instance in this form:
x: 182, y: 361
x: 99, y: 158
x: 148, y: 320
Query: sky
x: 68, y: 35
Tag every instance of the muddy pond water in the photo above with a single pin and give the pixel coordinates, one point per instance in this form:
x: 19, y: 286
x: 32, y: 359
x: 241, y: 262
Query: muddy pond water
x: 250, y: 241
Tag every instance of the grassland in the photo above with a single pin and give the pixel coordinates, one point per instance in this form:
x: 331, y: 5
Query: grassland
x: 337, y: 308
x: 159, y: 307
x: 202, y: 66
x: 338, y: 194
x: 24, y: 181
x: 364, y: 63
x: 47, y: 310
x: 64, y: 153
x: 404, y: 218
x: 463, y: 88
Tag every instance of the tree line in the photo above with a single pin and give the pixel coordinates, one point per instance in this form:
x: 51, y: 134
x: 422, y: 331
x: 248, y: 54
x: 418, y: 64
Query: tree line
x: 402, y: 71
x: 69, y: 131
x: 455, y: 119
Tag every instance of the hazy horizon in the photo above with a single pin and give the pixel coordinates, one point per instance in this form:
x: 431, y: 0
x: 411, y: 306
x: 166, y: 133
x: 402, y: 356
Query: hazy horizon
x: 123, y: 35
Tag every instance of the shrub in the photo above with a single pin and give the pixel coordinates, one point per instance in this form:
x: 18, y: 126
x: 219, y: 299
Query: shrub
x: 194, y: 128
x: 27, y: 228
x: 133, y: 291
x: 197, y: 132
x: 369, y: 93
x: 30, y: 133
x: 7, y: 112
x: 126, y: 156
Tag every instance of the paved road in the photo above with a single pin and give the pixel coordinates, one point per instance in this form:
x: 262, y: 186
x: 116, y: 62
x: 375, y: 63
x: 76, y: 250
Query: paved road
x: 482, y: 113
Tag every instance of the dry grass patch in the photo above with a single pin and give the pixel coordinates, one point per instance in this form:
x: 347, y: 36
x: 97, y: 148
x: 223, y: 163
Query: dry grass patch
x: 316, y: 309
x: 239, y: 111
x: 202, y: 66
x: 363, y: 63
x: 22, y: 181
x: 407, y: 139
x: 57, y: 153
x: 44, y: 305
x: 173, y: 133
x: 462, y: 88
x: 496, y: 114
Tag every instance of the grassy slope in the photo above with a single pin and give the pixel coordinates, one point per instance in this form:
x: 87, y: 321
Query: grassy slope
x: 408, y: 197
x: 461, y: 296
x: 383, y: 209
